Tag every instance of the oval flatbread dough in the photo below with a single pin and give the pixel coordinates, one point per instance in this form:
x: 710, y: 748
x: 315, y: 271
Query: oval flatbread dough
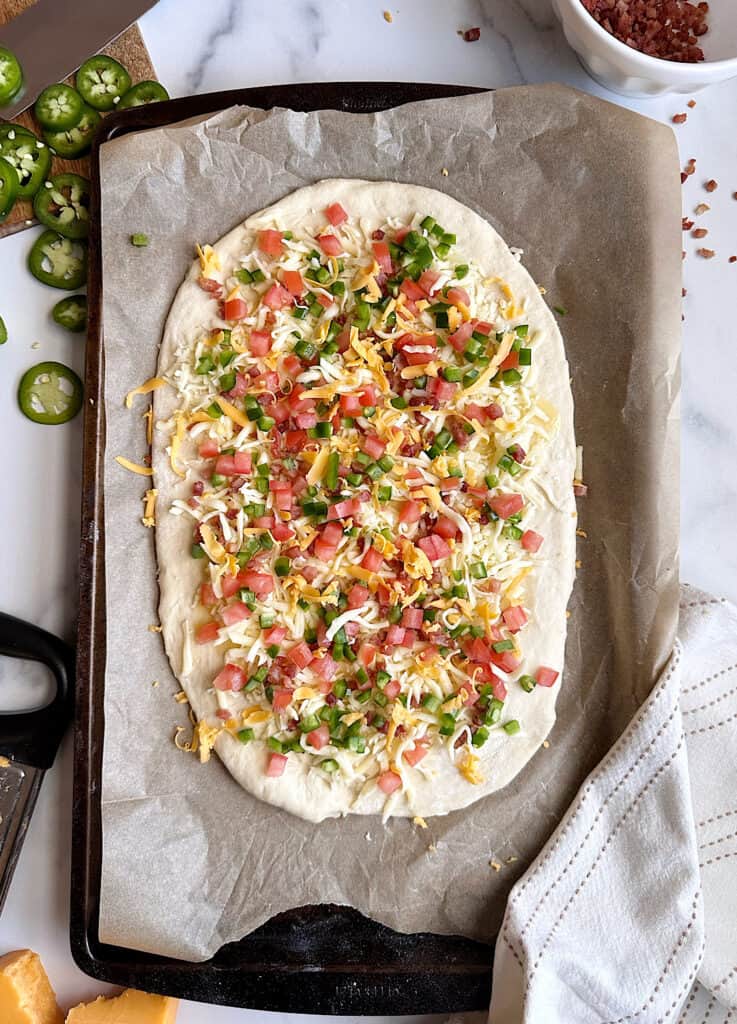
x: 438, y: 784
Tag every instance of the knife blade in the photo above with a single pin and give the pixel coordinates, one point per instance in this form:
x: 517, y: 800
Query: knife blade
x: 54, y: 37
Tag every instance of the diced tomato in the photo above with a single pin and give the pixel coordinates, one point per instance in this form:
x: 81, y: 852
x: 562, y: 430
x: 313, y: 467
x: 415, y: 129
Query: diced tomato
x: 366, y: 654
x: 388, y: 782
x: 295, y: 440
x: 483, y: 327
x: 546, y: 676
x: 274, y: 635
x: 283, y: 502
x: 507, y: 661
x: 392, y: 689
x: 514, y: 618
x: 373, y: 446
x: 459, y: 338
x: 472, y: 696
x: 324, y: 668
x: 277, y: 297
x: 332, y: 533
x: 411, y: 289
x: 446, y: 527
x: 394, y: 636
x: 418, y: 358
x: 259, y: 343
x: 427, y: 281
x: 450, y: 483
x: 511, y: 362
x: 300, y: 655
x: 260, y: 583
x: 325, y: 300
x: 382, y: 256
x: 445, y: 390
x: 494, y: 411
x: 230, y: 677
x: 280, y: 412
x: 292, y: 364
x: 236, y: 612
x: 319, y: 737
x: 207, y: 595
x: 208, y: 448
x: 263, y: 522
x: 499, y: 690
x: 276, y: 765
x: 336, y: 214
x: 414, y: 756
x: 225, y: 465
x: 372, y: 560
x: 242, y: 463
x: 434, y: 547
x: 412, y: 618
x: 235, y: 309
x: 293, y: 283
x: 350, y: 405
x: 323, y: 551
x: 305, y: 420
x: 410, y: 512
x: 282, y: 699
x: 357, y: 596
x: 478, y: 651
x: 457, y: 295
x: 410, y: 638
x: 270, y: 242
x: 368, y: 395
x: 506, y: 505
x: 400, y: 234
x: 531, y: 541
x: 231, y: 585
x: 344, y: 509
x: 207, y: 633
x: 475, y: 412
x: 330, y: 245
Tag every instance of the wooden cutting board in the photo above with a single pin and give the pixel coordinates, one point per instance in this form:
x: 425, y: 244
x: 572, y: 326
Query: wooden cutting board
x: 128, y: 48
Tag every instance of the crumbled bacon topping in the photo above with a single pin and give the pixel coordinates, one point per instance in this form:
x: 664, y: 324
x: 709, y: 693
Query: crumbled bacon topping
x: 680, y: 118
x: 472, y: 34
x: 699, y: 233
x: 686, y: 224
x: 669, y: 29
x: 711, y: 185
x: 707, y: 254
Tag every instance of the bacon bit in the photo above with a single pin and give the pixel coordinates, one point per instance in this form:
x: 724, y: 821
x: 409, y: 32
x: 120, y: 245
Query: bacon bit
x: 711, y: 185
x: 689, y: 169
x: 699, y: 232
x: 683, y: 254
x: 683, y: 293
x: 707, y: 254
x: 472, y: 34
x: 691, y: 104
x: 679, y: 118
x: 734, y: 195
x: 660, y: 28
x: 733, y: 259
x: 208, y: 284
x: 683, y: 177
x: 686, y: 224
x: 580, y: 490
x: 701, y: 208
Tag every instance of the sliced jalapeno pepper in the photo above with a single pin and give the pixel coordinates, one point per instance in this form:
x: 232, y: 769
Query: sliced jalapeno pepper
x: 71, y: 313
x: 11, y: 76
x: 63, y: 203
x: 77, y: 140
x: 3, y: 332
x: 57, y: 261
x: 50, y: 393
x: 8, y: 188
x: 102, y: 81
x: 58, y: 107
x: 28, y: 155
x: 143, y: 93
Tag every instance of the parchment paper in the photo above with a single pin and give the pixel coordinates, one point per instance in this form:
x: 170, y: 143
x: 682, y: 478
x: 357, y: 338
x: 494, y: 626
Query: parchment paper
x: 591, y: 193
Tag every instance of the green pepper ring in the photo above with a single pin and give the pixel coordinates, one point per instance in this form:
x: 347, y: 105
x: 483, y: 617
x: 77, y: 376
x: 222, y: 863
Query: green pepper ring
x: 24, y: 149
x: 102, y: 81
x: 11, y: 76
x: 59, y: 107
x: 143, y: 93
x: 8, y: 187
x: 45, y: 392
x: 75, y: 141
x: 49, y: 211
x: 71, y: 313
x: 52, y: 247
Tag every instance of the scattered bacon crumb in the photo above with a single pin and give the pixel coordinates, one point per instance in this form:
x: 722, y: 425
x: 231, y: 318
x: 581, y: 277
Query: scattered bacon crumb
x: 733, y: 259
x: 707, y: 254
x: 683, y: 293
x: 701, y: 208
x: 660, y: 28
x: 711, y: 185
x: 734, y: 195
x: 680, y: 118
x: 686, y: 224
x: 683, y: 254
x: 691, y: 104
x: 699, y: 233
x: 472, y: 34
x: 688, y: 170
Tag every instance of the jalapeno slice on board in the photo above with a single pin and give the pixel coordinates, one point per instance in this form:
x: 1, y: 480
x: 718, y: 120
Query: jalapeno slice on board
x: 102, y: 82
x: 3, y: 332
x: 11, y: 76
x: 63, y: 205
x: 50, y: 393
x: 143, y: 93
x: 8, y: 188
x: 27, y: 155
x: 75, y: 141
x: 71, y: 313
x: 58, y: 107
x: 57, y: 261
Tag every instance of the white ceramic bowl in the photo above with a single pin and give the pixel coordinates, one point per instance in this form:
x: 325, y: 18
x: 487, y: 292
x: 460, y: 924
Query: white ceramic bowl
x: 618, y: 67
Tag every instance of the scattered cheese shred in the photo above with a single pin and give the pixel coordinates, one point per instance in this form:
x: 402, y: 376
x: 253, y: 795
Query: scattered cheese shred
x: 235, y: 414
x: 470, y: 769
x: 145, y: 389
x: 209, y: 260
x: 133, y: 467
x: 212, y: 546
x: 149, y: 507
x: 207, y: 734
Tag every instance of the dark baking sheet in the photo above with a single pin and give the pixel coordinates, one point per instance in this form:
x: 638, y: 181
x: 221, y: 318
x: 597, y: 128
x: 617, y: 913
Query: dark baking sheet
x: 320, y: 959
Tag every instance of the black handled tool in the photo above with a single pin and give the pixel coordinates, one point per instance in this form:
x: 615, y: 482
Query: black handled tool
x: 29, y: 739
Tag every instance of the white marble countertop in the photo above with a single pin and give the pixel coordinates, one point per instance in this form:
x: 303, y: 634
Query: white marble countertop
x: 225, y: 44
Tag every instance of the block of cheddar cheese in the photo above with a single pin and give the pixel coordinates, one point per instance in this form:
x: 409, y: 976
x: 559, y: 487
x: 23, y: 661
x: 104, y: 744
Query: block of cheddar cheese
x: 131, y: 1007
x: 26, y: 995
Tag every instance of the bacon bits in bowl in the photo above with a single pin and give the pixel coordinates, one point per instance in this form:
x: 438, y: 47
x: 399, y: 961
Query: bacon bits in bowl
x: 652, y: 47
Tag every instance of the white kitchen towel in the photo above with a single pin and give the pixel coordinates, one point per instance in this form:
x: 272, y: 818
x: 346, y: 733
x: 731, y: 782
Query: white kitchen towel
x: 629, y: 914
